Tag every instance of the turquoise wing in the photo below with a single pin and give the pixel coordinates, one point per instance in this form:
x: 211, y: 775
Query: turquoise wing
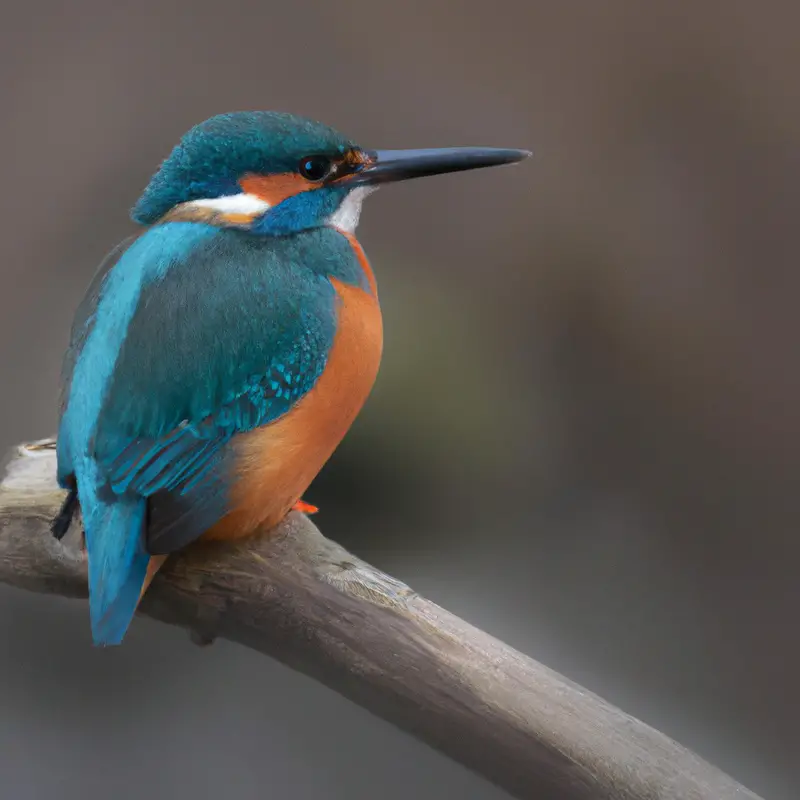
x: 226, y: 342
x: 189, y: 336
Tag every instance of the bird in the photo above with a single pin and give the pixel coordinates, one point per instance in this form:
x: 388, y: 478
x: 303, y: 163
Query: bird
x: 222, y: 352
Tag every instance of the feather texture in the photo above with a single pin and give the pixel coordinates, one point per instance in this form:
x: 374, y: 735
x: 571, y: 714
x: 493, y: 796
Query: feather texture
x: 191, y: 336
x: 212, y: 157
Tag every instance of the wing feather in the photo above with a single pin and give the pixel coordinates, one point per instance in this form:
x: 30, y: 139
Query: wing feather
x: 226, y: 338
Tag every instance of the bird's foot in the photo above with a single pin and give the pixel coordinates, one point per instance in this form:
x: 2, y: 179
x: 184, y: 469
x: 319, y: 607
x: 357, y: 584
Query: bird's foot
x: 306, y: 508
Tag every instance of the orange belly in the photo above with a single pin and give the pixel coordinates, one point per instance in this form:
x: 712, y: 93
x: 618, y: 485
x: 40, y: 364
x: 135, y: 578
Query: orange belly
x: 276, y: 463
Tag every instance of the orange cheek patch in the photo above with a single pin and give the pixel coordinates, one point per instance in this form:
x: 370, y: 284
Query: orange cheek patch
x: 275, y: 188
x: 237, y: 219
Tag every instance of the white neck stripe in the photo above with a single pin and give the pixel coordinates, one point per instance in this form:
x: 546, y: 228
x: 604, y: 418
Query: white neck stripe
x: 346, y: 217
x: 243, y: 203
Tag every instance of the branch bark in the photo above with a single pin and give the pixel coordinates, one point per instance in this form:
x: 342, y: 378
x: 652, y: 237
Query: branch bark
x: 304, y: 600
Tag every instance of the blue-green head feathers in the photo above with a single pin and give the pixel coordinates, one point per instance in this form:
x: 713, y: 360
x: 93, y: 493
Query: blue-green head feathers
x: 213, y: 322
x: 212, y: 157
x: 197, y: 332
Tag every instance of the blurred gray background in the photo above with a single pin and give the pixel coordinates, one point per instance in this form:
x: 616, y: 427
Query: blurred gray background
x: 585, y: 434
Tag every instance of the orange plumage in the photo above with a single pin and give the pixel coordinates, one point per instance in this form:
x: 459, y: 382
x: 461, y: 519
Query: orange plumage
x: 229, y: 347
x: 277, y: 462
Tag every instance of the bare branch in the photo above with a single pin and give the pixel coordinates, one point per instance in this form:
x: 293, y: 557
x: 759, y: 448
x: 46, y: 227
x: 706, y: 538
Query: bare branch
x: 307, y: 602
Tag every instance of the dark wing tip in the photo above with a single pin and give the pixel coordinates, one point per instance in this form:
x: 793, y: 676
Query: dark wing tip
x: 62, y: 521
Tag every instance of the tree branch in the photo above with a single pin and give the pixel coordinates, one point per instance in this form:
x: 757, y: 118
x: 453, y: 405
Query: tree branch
x: 307, y: 602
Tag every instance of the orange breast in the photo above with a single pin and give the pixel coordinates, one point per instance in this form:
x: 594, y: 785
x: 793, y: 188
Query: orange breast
x: 276, y: 463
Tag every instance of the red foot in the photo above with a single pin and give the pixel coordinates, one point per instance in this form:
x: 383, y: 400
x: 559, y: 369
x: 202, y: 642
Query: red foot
x: 306, y: 508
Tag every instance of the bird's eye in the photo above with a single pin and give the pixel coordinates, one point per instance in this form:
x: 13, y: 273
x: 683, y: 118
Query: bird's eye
x: 316, y: 168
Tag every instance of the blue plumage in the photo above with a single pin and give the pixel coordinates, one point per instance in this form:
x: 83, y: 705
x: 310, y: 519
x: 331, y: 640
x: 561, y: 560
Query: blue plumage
x: 216, y: 320
x: 300, y: 211
x: 196, y: 334
x: 117, y: 561
x: 212, y: 156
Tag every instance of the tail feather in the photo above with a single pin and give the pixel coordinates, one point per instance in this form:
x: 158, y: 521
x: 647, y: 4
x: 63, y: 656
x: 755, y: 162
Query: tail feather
x: 118, y: 565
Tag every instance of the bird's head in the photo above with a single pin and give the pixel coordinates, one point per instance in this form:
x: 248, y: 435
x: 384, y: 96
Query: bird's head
x: 277, y: 173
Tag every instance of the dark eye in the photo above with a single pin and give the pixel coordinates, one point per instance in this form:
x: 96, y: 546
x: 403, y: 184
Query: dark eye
x: 316, y: 168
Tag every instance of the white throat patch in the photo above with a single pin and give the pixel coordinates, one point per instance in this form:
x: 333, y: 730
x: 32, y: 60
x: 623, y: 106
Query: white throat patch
x: 243, y: 203
x: 345, y: 217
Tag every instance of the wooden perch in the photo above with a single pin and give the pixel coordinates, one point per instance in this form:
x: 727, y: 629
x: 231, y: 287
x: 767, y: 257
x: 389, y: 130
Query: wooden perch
x: 307, y: 602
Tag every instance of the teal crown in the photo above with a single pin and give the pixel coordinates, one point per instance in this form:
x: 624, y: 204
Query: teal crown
x: 212, y: 156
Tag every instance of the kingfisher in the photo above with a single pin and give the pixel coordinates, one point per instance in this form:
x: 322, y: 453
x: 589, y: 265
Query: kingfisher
x: 222, y: 352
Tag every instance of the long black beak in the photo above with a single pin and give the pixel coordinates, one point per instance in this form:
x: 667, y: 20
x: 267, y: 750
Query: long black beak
x: 383, y: 166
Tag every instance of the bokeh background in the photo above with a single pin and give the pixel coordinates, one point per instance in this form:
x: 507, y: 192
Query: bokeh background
x: 585, y: 434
